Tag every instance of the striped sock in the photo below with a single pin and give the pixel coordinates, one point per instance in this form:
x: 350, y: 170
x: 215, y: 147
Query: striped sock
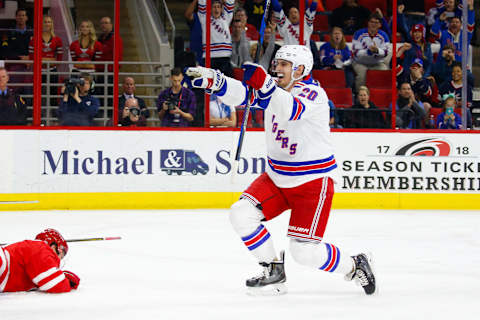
x: 260, y: 244
x: 333, y: 258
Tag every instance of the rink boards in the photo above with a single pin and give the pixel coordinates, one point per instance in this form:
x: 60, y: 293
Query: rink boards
x: 88, y: 169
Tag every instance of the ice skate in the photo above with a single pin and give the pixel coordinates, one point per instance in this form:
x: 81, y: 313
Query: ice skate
x: 271, y: 281
x: 363, y: 273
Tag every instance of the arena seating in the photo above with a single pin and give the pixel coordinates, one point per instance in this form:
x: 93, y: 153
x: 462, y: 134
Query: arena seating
x: 320, y: 24
x: 381, y: 97
x: 381, y: 79
x: 330, y: 78
x: 341, y: 97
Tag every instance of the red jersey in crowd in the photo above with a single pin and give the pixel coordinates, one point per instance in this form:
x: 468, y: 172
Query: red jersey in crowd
x: 85, y: 54
x: 31, y: 264
x: 107, y: 42
x: 51, y: 49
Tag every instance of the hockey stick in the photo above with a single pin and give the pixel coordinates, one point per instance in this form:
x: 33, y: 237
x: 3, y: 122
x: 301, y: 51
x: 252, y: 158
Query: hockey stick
x: 94, y: 239
x: 84, y: 239
x: 243, y: 128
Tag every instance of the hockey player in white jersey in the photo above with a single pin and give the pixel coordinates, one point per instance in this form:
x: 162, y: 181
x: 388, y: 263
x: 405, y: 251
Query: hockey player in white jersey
x: 300, y: 171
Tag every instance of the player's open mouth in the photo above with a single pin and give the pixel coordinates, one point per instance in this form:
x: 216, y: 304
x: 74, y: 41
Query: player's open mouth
x: 280, y: 75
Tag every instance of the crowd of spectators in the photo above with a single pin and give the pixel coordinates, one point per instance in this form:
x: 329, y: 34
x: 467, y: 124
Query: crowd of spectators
x: 356, y: 40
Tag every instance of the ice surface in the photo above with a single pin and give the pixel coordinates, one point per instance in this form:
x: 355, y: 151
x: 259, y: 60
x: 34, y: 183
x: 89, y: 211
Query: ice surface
x: 190, y: 265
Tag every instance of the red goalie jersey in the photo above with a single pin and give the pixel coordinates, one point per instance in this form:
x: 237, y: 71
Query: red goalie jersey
x: 31, y: 264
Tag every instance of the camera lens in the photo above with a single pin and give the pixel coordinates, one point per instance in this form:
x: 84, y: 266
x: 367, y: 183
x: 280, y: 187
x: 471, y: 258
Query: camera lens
x: 135, y: 111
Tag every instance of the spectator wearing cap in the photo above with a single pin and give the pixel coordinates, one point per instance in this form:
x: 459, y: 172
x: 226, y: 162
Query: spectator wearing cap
x: 418, y: 48
x: 453, y: 34
x: 422, y: 87
x: 370, y: 47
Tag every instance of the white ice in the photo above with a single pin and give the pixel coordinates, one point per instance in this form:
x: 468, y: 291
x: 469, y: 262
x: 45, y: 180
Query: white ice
x: 190, y: 265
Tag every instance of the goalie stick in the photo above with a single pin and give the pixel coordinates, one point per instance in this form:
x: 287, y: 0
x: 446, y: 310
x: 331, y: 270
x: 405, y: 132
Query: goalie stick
x: 250, y: 90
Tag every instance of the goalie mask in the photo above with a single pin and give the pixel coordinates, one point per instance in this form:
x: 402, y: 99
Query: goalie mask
x: 299, y: 56
x: 52, y: 236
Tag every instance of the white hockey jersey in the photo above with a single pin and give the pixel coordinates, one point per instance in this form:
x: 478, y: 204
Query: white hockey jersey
x: 291, y: 32
x: 297, y: 131
x: 220, y: 38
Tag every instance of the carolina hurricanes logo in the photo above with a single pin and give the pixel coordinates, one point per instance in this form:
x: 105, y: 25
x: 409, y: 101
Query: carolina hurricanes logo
x: 426, y: 147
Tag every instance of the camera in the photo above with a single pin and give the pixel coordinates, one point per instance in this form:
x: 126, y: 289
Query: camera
x: 72, y: 83
x: 172, y: 102
x: 134, y: 111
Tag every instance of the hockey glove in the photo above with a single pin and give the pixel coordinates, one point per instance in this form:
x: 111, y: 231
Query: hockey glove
x: 72, y: 278
x: 256, y: 77
x: 205, y: 78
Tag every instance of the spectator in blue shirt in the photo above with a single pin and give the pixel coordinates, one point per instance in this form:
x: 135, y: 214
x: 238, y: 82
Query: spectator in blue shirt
x: 335, y: 54
x: 453, y: 34
x: 449, y: 119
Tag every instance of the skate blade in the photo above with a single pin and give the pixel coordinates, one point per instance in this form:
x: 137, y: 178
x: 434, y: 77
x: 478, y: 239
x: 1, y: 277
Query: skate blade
x: 276, y: 289
x: 372, y: 266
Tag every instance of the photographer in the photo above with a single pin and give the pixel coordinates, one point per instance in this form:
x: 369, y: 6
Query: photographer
x: 176, y: 105
x: 131, y: 114
x: 129, y: 93
x: 77, y: 107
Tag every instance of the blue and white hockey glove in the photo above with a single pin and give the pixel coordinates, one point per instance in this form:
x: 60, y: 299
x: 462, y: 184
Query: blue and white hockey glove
x: 257, y: 78
x: 206, y: 78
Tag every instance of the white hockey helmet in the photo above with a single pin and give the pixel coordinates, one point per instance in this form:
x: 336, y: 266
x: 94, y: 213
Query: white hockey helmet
x: 298, y: 55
